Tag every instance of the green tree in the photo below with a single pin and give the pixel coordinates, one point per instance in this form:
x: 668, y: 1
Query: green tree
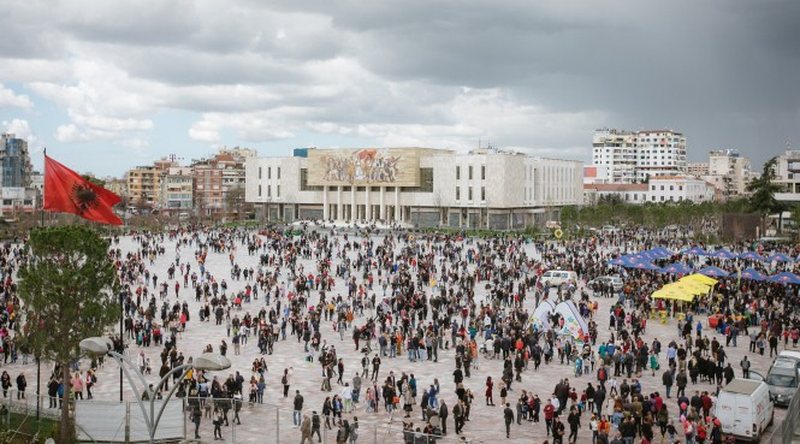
x: 764, y: 188
x: 68, y: 291
x: 94, y: 180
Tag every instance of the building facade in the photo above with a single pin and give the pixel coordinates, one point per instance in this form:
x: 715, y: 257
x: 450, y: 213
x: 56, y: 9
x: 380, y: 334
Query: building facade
x: 787, y: 172
x: 634, y: 156
x: 219, y: 181
x: 144, y: 186
x: 420, y: 186
x: 659, y: 189
x: 15, y: 162
x: 615, y: 152
x: 177, y: 190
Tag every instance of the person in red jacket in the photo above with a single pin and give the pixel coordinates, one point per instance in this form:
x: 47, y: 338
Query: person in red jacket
x: 549, y: 412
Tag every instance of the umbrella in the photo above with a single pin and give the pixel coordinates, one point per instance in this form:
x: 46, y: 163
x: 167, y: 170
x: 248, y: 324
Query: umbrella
x: 677, y: 268
x: 779, y: 257
x: 714, y: 271
x: 753, y: 275
x: 751, y: 256
x: 723, y: 254
x: 696, y: 251
x: 785, y: 278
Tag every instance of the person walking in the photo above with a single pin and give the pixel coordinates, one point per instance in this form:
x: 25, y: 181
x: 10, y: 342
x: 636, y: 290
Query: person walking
x: 508, y: 417
x: 196, y: 415
x: 305, y: 430
x: 443, y: 413
x: 298, y: 408
x: 285, y: 382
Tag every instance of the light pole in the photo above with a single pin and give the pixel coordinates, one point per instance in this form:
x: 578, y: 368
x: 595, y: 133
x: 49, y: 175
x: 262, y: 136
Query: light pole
x: 207, y: 361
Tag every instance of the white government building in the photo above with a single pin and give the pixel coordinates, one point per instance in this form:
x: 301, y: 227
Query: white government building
x: 426, y: 187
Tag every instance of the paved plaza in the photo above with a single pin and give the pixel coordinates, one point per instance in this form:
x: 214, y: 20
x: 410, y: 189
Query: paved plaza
x: 260, y: 422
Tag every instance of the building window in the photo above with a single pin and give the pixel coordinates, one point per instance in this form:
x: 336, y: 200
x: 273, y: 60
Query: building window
x: 469, y: 172
x: 662, y: 187
x: 458, y: 173
x: 259, y: 172
x: 671, y: 187
x: 483, y: 172
x: 483, y: 193
x: 269, y: 190
x: 304, y: 186
x: 279, y: 173
x: 426, y: 180
x: 458, y: 193
x: 259, y: 189
x: 469, y: 192
x: 269, y: 172
x: 277, y: 191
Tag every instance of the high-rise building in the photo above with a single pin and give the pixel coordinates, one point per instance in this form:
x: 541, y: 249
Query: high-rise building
x: 634, y: 156
x: 614, y: 153
x: 659, y: 153
x: 15, y: 163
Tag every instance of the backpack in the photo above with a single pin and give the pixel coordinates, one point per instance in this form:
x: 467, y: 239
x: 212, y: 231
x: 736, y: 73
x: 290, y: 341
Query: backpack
x: 284, y: 380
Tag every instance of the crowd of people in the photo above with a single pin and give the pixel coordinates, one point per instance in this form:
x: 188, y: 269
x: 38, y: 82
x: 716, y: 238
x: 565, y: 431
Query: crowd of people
x: 410, y: 302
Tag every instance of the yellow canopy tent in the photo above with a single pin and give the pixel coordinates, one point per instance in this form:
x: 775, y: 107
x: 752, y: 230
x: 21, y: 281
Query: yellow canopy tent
x: 673, y: 294
x: 694, y: 285
x: 686, y: 288
x: 701, y: 278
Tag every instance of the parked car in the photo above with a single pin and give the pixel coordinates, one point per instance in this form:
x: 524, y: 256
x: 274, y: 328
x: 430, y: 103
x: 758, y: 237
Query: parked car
x: 782, y: 380
x: 744, y: 409
x: 615, y: 281
x: 555, y: 278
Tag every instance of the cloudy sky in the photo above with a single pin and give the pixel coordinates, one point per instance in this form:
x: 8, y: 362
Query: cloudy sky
x: 106, y: 85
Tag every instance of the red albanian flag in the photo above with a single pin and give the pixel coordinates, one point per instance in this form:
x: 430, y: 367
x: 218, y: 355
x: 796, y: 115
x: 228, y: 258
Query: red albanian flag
x: 66, y: 191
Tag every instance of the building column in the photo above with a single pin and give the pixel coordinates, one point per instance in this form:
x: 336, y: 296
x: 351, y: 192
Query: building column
x: 367, y: 207
x: 382, y: 204
x: 353, y: 208
x: 325, y: 210
x: 339, y: 215
x: 397, y: 216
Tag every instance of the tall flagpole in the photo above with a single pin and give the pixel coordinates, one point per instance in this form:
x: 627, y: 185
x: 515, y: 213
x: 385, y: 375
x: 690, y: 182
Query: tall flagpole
x: 38, y: 361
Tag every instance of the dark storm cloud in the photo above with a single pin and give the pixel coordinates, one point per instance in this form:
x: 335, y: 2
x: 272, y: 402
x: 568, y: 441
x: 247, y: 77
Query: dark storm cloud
x: 723, y: 72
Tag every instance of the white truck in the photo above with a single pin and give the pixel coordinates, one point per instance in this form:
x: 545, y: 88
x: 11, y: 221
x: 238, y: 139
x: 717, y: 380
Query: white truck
x: 744, y: 409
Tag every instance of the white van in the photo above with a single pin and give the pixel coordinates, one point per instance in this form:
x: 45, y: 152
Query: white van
x: 744, y: 409
x: 554, y: 278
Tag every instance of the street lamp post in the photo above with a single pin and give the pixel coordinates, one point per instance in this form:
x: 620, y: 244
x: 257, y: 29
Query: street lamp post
x: 206, y: 361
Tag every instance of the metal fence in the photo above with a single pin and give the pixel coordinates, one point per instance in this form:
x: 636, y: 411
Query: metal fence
x: 257, y: 422
x: 24, y: 404
x: 784, y: 432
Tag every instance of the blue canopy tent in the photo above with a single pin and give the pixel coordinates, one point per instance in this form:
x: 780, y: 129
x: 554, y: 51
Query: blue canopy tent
x: 723, y: 254
x: 714, y: 272
x: 645, y: 266
x: 779, y: 257
x: 785, y: 278
x: 751, y: 256
x: 663, y: 252
x: 677, y: 268
x: 696, y: 251
x: 753, y: 275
